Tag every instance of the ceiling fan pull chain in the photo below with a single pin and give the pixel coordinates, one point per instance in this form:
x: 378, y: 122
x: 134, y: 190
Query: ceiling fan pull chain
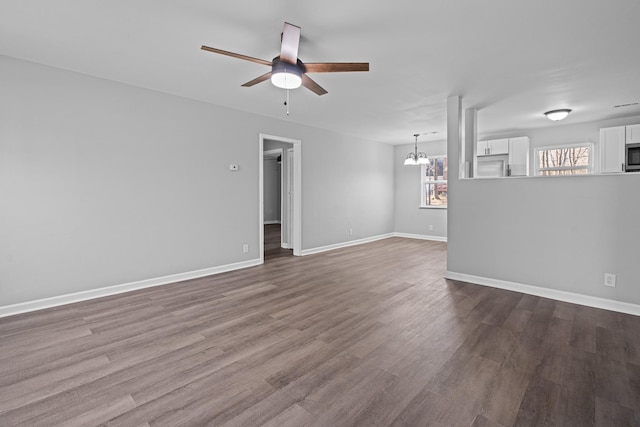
x: 287, y: 102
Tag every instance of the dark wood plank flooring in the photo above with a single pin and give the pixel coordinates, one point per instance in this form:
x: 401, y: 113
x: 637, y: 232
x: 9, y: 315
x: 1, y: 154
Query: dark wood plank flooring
x: 370, y: 335
x: 273, y: 243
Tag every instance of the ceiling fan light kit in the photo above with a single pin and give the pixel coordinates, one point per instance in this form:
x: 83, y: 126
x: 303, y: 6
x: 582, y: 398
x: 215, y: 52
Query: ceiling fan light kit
x: 557, y: 115
x: 285, y: 75
x: 289, y: 72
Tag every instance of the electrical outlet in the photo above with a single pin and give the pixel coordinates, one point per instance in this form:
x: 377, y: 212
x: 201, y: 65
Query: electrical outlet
x: 431, y: 227
x: 610, y: 280
x: 245, y: 248
x: 351, y: 232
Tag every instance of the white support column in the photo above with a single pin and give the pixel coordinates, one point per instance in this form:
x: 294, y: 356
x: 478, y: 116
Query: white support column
x: 454, y: 151
x: 454, y: 136
x: 470, y: 137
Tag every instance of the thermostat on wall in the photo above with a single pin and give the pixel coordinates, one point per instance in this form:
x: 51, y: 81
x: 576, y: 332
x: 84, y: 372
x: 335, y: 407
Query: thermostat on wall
x: 233, y: 167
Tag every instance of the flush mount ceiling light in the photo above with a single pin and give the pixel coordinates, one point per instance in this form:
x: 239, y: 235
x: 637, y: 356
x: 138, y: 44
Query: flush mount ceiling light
x: 556, y: 115
x: 416, y: 158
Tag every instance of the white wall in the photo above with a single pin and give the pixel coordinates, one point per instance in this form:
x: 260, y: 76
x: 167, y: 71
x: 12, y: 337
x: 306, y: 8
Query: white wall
x: 347, y: 183
x: 409, y: 217
x: 103, y: 183
x: 560, y: 233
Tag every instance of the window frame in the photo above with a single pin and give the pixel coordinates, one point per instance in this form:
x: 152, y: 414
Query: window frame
x: 590, y: 167
x: 424, y: 182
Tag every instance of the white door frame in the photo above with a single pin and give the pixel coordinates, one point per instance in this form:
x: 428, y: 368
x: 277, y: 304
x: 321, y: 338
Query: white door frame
x: 297, y: 192
x: 289, y: 199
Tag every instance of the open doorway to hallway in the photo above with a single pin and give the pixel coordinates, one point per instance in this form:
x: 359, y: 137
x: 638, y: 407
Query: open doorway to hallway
x: 280, y: 197
x: 277, y: 207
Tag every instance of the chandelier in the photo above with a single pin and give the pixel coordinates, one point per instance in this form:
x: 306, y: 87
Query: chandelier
x: 415, y: 157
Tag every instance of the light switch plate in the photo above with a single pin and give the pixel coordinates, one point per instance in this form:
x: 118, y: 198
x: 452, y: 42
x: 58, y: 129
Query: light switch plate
x: 233, y: 167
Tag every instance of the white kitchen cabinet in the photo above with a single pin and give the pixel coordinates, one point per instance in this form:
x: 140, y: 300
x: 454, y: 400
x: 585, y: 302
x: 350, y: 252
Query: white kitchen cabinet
x: 481, y: 148
x: 492, y: 147
x: 632, y: 134
x: 612, y: 142
x: 519, y: 156
x: 499, y: 146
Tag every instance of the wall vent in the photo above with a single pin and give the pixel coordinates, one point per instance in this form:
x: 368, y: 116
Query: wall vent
x: 631, y: 104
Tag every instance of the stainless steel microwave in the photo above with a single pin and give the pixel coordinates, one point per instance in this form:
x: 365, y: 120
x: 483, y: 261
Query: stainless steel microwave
x: 632, y: 158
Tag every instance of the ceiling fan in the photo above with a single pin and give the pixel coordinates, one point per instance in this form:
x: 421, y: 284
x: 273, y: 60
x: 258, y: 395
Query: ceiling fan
x: 287, y: 70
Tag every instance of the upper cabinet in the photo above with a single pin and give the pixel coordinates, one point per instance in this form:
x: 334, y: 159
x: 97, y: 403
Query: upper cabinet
x: 632, y: 134
x: 512, y: 153
x: 612, y: 146
x: 519, y: 156
x: 482, y: 148
x: 492, y: 147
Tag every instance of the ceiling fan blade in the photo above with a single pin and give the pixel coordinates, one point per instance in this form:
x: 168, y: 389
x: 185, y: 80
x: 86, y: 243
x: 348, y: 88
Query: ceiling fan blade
x: 257, y: 80
x: 236, y: 55
x: 290, y: 43
x: 334, y: 67
x: 312, y: 86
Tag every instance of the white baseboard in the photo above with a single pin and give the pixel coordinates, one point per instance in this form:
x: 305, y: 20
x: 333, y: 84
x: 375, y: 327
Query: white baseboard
x: 285, y: 246
x: 23, y: 307
x: 421, y: 236
x: 345, y: 244
x: 370, y: 239
x: 275, y: 221
x: 590, y: 301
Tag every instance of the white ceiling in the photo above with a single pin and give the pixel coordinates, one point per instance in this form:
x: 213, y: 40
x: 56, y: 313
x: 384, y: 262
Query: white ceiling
x: 511, y: 59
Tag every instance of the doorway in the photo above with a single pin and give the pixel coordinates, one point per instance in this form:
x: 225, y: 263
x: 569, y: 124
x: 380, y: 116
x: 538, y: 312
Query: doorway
x: 280, y: 197
x: 276, y: 196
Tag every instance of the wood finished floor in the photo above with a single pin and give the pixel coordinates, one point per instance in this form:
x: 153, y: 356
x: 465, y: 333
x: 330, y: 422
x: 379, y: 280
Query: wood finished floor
x: 273, y: 243
x: 370, y: 335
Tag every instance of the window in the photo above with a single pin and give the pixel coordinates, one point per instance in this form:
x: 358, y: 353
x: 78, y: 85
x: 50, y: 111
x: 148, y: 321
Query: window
x: 434, y: 183
x: 574, y: 159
